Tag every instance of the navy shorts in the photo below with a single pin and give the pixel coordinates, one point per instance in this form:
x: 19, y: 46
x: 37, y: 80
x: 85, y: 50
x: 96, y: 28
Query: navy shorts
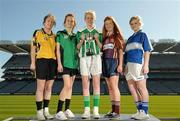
x: 109, y: 67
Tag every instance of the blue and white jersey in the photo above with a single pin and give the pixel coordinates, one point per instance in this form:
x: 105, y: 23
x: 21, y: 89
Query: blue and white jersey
x: 136, y: 45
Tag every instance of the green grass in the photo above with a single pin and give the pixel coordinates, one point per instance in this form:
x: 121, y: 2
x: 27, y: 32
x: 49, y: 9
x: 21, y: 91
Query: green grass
x: 22, y: 105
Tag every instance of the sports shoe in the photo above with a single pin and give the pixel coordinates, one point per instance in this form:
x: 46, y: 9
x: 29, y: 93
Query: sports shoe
x: 69, y: 114
x: 60, y: 116
x: 40, y: 115
x: 142, y: 115
x: 96, y: 113
x: 86, y: 114
x: 134, y: 115
x: 47, y: 115
x: 114, y: 116
x: 108, y: 114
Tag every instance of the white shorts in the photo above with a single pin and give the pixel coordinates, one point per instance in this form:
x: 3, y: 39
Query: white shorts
x: 91, y: 65
x: 133, y: 71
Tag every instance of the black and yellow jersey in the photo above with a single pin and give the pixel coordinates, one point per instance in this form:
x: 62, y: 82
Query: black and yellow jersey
x: 45, y: 44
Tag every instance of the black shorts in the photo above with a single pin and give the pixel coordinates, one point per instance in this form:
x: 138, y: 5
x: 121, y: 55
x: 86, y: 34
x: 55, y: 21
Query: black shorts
x: 46, y: 69
x: 69, y: 71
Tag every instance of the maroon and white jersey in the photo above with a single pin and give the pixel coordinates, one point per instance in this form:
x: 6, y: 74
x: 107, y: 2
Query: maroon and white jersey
x: 109, y: 49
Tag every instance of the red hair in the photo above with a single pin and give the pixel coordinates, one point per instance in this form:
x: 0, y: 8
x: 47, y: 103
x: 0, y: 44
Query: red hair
x: 119, y: 40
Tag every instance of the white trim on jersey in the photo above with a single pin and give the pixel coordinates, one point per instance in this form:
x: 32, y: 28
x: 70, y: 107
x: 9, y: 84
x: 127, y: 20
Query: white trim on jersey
x: 133, y: 46
x: 108, y: 46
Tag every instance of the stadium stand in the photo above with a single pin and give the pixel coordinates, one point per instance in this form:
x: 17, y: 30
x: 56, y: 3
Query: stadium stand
x: 164, y: 76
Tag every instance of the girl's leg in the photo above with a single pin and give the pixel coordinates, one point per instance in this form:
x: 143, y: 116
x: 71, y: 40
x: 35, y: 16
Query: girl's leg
x: 64, y: 92
x: 40, y: 93
x: 69, y: 94
x: 135, y: 93
x: 85, y: 84
x: 47, y: 92
x: 115, y: 93
x: 110, y: 94
x: 96, y: 95
x: 39, y: 98
x: 109, y: 88
x: 144, y: 93
x: 47, y: 97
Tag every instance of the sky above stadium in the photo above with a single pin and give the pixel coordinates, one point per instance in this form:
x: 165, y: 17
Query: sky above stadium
x: 19, y: 18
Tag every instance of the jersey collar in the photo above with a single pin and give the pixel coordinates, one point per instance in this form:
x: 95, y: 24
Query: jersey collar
x: 47, y: 33
x: 70, y: 34
x: 94, y: 27
x: 137, y: 32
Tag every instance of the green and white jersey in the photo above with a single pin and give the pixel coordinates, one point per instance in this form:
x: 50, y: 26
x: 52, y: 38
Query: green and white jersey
x: 68, y: 43
x: 90, y: 46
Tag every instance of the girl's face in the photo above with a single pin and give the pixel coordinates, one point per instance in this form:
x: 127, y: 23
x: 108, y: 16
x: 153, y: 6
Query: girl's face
x: 109, y: 25
x: 70, y: 22
x: 49, y: 23
x: 135, y: 25
x: 89, y: 19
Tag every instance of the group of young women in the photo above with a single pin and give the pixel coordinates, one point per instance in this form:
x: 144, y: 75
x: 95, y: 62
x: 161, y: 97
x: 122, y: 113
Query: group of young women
x: 94, y: 53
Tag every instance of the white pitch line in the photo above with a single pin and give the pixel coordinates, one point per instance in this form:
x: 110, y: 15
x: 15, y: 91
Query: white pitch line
x: 8, y: 119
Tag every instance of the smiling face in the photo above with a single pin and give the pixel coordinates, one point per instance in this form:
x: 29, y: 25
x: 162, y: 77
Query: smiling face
x: 109, y: 25
x: 49, y: 22
x: 135, y: 25
x: 89, y: 19
x: 69, y: 22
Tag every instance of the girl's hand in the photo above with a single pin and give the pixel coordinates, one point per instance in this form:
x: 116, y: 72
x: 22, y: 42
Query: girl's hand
x: 145, y: 69
x: 82, y: 37
x: 32, y: 67
x: 96, y: 36
x: 60, y: 68
x: 119, y: 69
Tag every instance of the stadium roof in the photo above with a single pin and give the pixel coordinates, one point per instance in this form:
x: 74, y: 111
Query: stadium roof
x: 23, y: 46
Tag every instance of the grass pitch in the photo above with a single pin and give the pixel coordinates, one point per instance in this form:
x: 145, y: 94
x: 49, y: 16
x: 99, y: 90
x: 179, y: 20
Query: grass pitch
x: 24, y: 105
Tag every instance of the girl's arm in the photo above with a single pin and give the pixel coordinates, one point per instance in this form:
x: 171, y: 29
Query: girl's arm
x: 81, y: 41
x: 120, y: 66
x: 59, y: 68
x: 80, y: 44
x: 96, y: 36
x: 33, y: 56
x: 146, y: 62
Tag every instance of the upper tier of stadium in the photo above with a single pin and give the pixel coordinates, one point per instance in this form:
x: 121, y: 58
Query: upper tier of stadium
x: 23, y: 46
x: 164, y: 76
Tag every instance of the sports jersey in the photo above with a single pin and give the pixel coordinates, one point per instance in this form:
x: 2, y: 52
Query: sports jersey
x: 45, y: 44
x: 109, y: 49
x: 136, y: 45
x: 68, y: 45
x: 89, y: 47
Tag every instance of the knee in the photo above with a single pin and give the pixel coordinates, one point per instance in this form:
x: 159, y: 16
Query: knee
x: 110, y: 89
x: 68, y: 88
x: 96, y: 87
x: 48, y: 88
x: 142, y: 89
x: 39, y: 90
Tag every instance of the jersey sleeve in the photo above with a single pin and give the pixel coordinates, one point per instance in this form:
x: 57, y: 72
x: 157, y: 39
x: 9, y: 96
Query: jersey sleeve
x: 59, y: 37
x: 100, y: 37
x: 78, y: 37
x: 147, y: 46
x: 34, y: 38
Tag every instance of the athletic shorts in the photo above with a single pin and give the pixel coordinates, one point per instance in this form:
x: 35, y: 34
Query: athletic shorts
x: 109, y: 67
x: 91, y: 65
x: 69, y: 71
x: 46, y: 69
x: 133, y: 71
